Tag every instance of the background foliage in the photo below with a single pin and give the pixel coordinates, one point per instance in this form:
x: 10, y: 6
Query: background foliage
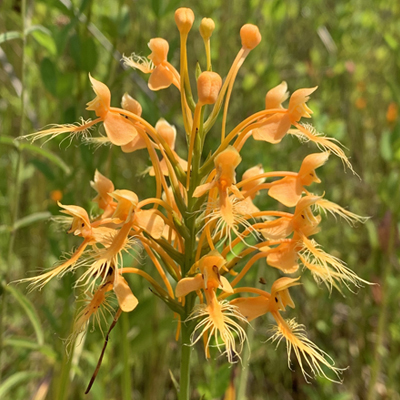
x: 349, y: 49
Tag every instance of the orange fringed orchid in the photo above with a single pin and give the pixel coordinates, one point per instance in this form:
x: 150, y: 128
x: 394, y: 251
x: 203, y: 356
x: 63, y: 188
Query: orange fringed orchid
x: 217, y: 318
x: 118, y: 129
x: 274, y: 128
x: 162, y: 73
x: 288, y: 190
x: 201, y: 230
x: 304, y: 349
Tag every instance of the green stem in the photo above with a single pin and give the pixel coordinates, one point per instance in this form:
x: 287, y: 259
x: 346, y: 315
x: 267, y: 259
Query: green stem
x: 126, y: 376
x: 186, y: 350
x: 64, y: 381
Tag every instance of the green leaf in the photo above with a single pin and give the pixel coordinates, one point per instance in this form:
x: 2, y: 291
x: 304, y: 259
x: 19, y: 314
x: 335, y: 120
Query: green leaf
x: 54, y: 159
x: 16, y: 379
x: 6, y: 36
x: 45, y: 39
x: 8, y: 141
x: 198, y: 70
x: 89, y: 54
x: 31, y: 219
x: 30, y: 312
x: 174, y: 382
x: 34, y: 28
x: 25, y: 343
x: 157, y: 8
x: 48, y: 73
x: 65, y: 84
x: 45, y: 168
x: 84, y: 52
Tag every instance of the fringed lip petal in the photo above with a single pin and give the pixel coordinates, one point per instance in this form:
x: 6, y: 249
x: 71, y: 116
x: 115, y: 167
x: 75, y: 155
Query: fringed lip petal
x: 118, y: 129
x: 126, y: 299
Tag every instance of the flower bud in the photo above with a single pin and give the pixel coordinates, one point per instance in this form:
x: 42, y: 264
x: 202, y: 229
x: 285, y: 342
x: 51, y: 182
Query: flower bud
x: 184, y: 18
x: 207, y: 27
x: 208, y: 87
x: 159, y: 48
x: 128, y: 103
x: 250, y: 36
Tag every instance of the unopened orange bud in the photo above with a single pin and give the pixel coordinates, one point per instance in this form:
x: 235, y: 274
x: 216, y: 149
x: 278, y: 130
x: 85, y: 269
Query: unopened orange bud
x: 159, y: 48
x: 56, y: 195
x: 184, y: 18
x: 250, y: 36
x: 208, y: 87
x: 207, y: 27
x: 128, y: 103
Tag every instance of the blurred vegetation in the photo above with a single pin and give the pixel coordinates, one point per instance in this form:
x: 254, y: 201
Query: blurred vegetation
x: 351, y: 50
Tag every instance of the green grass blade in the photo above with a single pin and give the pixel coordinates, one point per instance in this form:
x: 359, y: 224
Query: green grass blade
x: 31, y: 219
x: 16, y: 379
x: 30, y: 312
x: 6, y: 36
x: 48, y: 155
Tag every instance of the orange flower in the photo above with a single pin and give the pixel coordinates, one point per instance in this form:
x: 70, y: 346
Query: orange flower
x: 274, y: 128
x: 288, y: 190
x: 307, y: 353
x: 118, y: 129
x: 216, y: 318
x: 163, y: 74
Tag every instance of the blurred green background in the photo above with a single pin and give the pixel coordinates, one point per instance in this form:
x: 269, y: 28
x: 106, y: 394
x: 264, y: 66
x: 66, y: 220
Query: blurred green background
x: 351, y: 50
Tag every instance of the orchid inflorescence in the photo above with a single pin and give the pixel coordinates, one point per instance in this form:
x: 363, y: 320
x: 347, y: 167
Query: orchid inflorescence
x: 202, y: 222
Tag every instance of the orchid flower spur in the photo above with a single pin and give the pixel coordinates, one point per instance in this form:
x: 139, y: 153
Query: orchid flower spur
x: 201, y: 232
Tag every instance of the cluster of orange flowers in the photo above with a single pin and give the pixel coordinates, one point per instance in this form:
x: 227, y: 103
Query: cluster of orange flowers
x: 202, y: 221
